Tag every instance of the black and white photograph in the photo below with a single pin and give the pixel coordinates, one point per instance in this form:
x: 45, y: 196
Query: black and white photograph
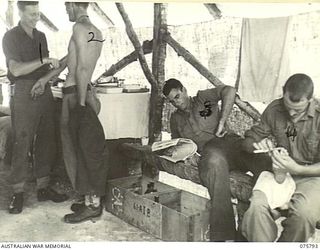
x: 159, y: 122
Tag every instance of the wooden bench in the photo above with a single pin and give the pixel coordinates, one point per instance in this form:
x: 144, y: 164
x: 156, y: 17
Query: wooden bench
x: 241, y: 184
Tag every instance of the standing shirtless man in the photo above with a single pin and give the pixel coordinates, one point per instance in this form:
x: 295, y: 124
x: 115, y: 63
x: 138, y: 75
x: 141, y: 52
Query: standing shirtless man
x: 83, y: 138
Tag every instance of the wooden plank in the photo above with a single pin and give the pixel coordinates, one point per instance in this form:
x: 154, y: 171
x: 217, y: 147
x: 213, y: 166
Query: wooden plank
x: 46, y: 21
x: 158, y: 67
x: 96, y: 8
x: 245, y: 106
x: 142, y: 60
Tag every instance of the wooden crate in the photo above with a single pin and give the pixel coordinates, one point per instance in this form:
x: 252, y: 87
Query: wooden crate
x: 169, y: 214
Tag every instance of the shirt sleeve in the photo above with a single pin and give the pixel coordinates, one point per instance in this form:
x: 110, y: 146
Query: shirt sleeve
x: 259, y: 131
x: 174, y: 127
x: 44, y: 45
x: 10, y: 48
x: 214, y: 94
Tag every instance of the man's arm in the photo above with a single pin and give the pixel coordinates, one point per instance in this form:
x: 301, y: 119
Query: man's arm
x: 174, y: 128
x: 258, y: 133
x: 286, y: 162
x: 228, y: 95
x: 23, y: 68
x: 55, y: 72
x: 83, y: 74
x: 39, y: 87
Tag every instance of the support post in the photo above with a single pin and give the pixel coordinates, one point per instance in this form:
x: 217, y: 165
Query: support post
x: 142, y: 60
x: 158, y: 66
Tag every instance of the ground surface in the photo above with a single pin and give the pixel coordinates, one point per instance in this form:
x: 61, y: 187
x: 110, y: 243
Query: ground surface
x: 42, y: 221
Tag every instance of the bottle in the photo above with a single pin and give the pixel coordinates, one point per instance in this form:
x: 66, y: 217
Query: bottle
x: 150, y: 188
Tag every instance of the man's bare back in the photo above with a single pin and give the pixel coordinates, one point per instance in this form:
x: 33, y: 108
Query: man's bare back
x: 82, y: 52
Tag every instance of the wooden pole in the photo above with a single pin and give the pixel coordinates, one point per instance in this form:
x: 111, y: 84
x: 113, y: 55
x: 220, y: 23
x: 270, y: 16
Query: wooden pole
x: 245, y: 106
x: 46, y: 21
x: 96, y: 8
x: 9, y: 14
x: 132, y: 57
x: 158, y: 66
x: 142, y: 60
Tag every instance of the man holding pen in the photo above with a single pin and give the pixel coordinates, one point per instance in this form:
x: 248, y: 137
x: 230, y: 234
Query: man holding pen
x: 294, y: 121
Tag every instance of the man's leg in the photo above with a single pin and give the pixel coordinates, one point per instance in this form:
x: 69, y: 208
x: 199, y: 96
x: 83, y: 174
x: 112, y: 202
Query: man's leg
x: 258, y: 224
x: 45, y: 139
x: 24, y: 119
x: 218, y: 158
x: 45, y: 149
x: 92, y: 142
x: 68, y: 147
x: 91, y: 172
x: 304, y: 211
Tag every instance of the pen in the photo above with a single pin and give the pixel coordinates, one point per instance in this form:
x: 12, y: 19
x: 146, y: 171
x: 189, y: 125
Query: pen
x: 258, y: 151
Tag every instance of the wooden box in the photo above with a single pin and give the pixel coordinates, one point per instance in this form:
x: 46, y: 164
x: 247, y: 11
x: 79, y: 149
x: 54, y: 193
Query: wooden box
x: 168, y: 213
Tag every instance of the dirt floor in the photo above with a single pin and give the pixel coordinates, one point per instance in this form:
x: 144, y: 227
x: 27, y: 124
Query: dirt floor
x: 42, y: 221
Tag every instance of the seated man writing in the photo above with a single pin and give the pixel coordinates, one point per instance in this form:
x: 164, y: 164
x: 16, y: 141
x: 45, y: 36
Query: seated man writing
x: 200, y: 119
x: 294, y: 121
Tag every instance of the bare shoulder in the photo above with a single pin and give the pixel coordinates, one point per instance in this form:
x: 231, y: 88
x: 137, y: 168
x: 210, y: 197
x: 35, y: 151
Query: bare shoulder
x: 79, y: 29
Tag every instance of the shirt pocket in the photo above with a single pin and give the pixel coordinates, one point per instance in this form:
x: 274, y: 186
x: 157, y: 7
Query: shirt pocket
x: 312, y: 144
x: 280, y: 137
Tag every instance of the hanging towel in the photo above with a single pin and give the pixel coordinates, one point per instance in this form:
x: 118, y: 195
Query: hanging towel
x: 264, y: 66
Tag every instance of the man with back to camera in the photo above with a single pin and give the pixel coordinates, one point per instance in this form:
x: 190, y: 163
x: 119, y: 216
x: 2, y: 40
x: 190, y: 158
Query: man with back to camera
x: 294, y: 121
x: 27, y: 59
x: 82, y: 134
x: 199, y: 119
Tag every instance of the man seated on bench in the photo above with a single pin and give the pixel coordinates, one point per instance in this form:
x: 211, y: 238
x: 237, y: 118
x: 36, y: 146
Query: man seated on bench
x: 199, y: 119
x: 294, y: 121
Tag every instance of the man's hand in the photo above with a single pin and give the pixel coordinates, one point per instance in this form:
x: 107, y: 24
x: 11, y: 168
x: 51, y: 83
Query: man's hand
x: 38, y: 89
x: 52, y: 61
x: 80, y: 110
x: 221, y: 132
x: 284, y: 161
x: 265, y: 144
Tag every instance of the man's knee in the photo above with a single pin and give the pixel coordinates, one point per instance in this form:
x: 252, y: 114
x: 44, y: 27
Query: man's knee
x: 214, y: 157
x: 303, y: 216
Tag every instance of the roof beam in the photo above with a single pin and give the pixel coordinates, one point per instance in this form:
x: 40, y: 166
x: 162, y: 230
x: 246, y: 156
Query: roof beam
x: 48, y: 23
x: 96, y: 8
x: 214, y: 10
x: 9, y: 14
x: 181, y: 51
x: 132, y: 57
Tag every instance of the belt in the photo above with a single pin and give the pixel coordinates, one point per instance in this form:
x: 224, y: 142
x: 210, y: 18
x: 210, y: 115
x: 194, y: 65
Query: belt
x: 73, y: 89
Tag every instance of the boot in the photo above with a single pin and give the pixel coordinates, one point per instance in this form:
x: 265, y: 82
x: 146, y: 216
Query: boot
x: 87, y: 213
x: 16, y: 203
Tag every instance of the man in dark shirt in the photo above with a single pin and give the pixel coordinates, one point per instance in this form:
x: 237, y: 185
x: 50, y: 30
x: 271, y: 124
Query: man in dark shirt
x: 200, y: 119
x: 294, y: 121
x: 27, y: 59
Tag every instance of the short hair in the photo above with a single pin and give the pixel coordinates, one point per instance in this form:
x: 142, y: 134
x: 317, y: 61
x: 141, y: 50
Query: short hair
x: 299, y: 86
x: 22, y: 4
x: 81, y: 4
x: 170, y: 84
